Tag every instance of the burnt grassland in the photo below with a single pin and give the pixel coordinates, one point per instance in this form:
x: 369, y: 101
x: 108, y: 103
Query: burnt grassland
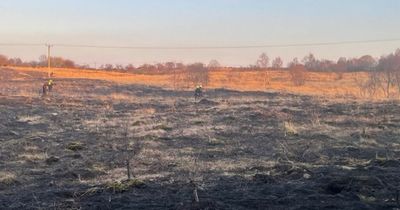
x: 237, y: 150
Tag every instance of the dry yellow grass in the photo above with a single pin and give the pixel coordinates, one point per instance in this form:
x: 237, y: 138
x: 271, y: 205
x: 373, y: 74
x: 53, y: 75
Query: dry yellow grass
x: 7, y: 178
x: 32, y: 156
x: 318, y: 83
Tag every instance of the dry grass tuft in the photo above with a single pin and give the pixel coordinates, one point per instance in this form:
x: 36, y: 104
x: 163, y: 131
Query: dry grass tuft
x: 123, y: 186
x: 75, y: 146
x: 163, y: 127
x: 30, y: 119
x: 290, y: 129
x: 8, y: 178
x: 33, y: 156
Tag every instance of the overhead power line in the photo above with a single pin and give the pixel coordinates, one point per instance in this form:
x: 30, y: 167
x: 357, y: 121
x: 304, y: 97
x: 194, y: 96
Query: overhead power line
x: 21, y: 44
x: 230, y: 47
x: 311, y: 44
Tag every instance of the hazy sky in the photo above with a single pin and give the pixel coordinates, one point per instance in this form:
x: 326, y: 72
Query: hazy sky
x: 197, y: 23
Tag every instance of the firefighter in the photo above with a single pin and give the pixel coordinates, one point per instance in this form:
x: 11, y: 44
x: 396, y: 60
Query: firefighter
x: 198, y: 93
x: 50, y: 85
x: 45, y: 89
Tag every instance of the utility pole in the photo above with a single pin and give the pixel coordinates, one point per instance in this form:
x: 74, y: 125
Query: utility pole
x: 49, y: 60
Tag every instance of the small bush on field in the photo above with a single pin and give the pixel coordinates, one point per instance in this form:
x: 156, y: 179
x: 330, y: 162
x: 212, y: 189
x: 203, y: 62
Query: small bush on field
x: 290, y: 129
x: 198, y: 122
x: 138, y: 123
x: 123, y: 186
x: 8, y: 179
x: 215, y: 142
x: 163, y: 127
x: 75, y: 146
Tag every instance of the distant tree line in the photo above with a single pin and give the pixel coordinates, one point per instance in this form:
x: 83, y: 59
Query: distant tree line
x: 309, y: 63
x: 383, y: 73
x: 57, y: 62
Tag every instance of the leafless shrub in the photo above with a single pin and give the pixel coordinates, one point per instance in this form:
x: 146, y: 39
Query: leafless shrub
x: 397, y: 81
x: 315, y: 118
x: 361, y: 84
x: 387, y: 79
x: 193, y: 173
x: 196, y: 74
x: 298, y: 75
x: 289, y: 129
x: 131, y: 146
x: 388, y: 68
x: 370, y: 86
x: 267, y: 79
x: 194, y: 179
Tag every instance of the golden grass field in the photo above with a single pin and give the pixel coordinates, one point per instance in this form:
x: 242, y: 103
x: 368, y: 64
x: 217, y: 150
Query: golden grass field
x: 326, y: 84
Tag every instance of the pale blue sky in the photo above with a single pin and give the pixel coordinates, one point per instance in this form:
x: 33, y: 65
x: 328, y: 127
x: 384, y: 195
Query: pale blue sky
x: 198, y: 23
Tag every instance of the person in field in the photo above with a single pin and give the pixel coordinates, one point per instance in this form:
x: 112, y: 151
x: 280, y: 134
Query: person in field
x: 198, y: 92
x: 47, y: 87
x: 50, y: 84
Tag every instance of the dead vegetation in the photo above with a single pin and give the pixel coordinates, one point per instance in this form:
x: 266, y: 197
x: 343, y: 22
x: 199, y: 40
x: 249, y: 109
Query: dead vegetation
x: 157, y: 149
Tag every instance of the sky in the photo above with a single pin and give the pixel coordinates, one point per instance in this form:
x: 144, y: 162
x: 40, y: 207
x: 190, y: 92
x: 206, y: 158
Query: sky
x: 182, y: 23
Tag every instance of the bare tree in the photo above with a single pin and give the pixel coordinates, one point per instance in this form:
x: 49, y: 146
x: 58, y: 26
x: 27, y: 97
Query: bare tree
x: 367, y: 63
x: 170, y: 66
x: 214, y: 64
x: 388, y: 80
x: 360, y: 83
x: 373, y: 83
x: 119, y: 67
x: 368, y: 86
x: 107, y: 67
x: 341, y: 64
x: 310, y: 62
x: 295, y: 62
x: 3, y: 60
x: 277, y: 63
x: 130, y: 67
x: 388, y: 67
x: 14, y: 61
x: 396, y: 68
x: 43, y: 60
x: 131, y: 147
x: 263, y: 61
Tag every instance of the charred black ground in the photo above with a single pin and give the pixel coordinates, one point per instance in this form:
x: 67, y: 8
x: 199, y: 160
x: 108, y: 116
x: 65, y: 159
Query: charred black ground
x: 243, y: 150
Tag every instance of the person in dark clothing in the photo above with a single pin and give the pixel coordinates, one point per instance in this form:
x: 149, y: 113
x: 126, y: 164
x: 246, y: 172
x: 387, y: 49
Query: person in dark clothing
x: 44, y: 89
x: 198, y: 93
x: 50, y: 85
x: 47, y: 87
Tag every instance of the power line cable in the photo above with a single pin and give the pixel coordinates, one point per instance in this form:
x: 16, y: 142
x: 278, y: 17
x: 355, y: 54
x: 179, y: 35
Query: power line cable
x: 229, y: 47
x: 204, y: 47
x: 21, y: 44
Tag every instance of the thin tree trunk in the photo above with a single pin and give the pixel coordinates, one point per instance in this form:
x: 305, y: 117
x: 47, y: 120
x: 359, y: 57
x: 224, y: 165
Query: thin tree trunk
x: 195, y: 195
x: 128, y: 169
